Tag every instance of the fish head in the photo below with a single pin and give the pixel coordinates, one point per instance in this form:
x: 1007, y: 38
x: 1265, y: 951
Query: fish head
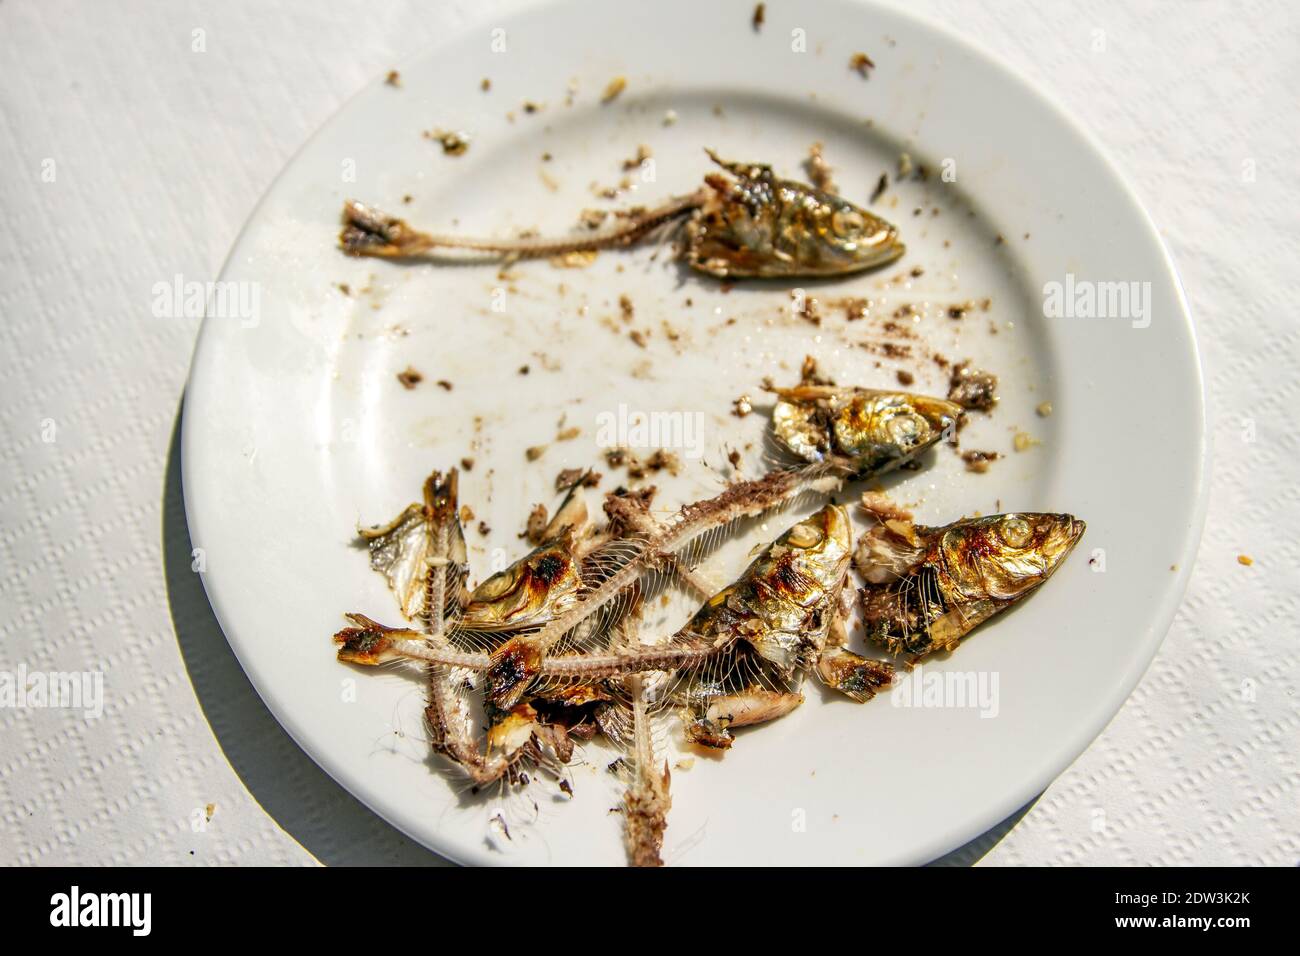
x: 757, y: 225
x: 838, y: 237
x: 1003, y: 557
x: 529, y: 592
x: 875, y: 430
x: 811, y: 558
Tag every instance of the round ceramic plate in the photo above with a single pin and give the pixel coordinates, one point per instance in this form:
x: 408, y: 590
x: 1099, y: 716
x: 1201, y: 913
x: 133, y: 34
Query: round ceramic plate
x: 1027, y: 255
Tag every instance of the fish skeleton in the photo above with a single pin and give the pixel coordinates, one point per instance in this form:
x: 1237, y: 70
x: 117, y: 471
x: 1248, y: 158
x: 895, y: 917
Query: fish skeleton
x: 749, y: 225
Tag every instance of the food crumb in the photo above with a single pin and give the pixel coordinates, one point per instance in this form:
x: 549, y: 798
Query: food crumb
x: 445, y: 385
x: 760, y: 14
x: 664, y: 460
x: 485, y: 84
x: 1044, y: 409
x: 905, y: 377
x: 393, y: 78
x: 881, y: 185
x: 741, y: 406
x: 855, y: 309
x: 634, y: 162
x: 534, y: 452
x: 1245, y: 559
x: 979, y: 461
x: 905, y: 166
x: 484, y: 529
x: 453, y: 143
x: 862, y: 63
x: 972, y: 389
x: 535, y: 528
x: 615, y: 86
x: 578, y: 259
x: 568, y: 434
x: 593, y: 218
x: 883, y: 508
x: 670, y: 117
x: 409, y: 378
x: 1024, y: 441
x: 466, y: 514
x: 569, y: 477
x: 467, y: 464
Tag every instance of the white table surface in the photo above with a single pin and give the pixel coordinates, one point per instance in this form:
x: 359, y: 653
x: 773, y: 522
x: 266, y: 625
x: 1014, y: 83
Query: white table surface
x: 128, y: 158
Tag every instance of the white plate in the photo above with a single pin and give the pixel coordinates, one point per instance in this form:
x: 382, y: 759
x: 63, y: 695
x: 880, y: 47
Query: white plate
x: 295, y: 427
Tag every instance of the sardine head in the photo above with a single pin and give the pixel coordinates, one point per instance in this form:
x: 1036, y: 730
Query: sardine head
x: 848, y: 237
x: 812, y: 557
x: 760, y: 226
x: 1003, y: 557
x: 528, y: 592
x: 875, y: 430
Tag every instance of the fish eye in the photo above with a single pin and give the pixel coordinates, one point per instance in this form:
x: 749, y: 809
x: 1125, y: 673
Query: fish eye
x: 907, y: 429
x: 497, y: 585
x: 1015, y: 532
x: 847, y: 223
x: 803, y: 535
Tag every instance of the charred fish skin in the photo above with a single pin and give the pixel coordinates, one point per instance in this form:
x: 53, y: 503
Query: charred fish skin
x: 784, y: 602
x: 759, y: 226
x: 930, y: 587
x: 773, y: 622
x: 870, y: 431
x: 543, y: 583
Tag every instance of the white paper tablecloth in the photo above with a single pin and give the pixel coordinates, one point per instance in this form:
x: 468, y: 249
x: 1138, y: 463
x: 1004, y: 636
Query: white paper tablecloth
x: 128, y: 157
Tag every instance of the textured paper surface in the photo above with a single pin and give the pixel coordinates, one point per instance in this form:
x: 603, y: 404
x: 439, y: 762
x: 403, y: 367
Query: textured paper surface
x: 130, y: 157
